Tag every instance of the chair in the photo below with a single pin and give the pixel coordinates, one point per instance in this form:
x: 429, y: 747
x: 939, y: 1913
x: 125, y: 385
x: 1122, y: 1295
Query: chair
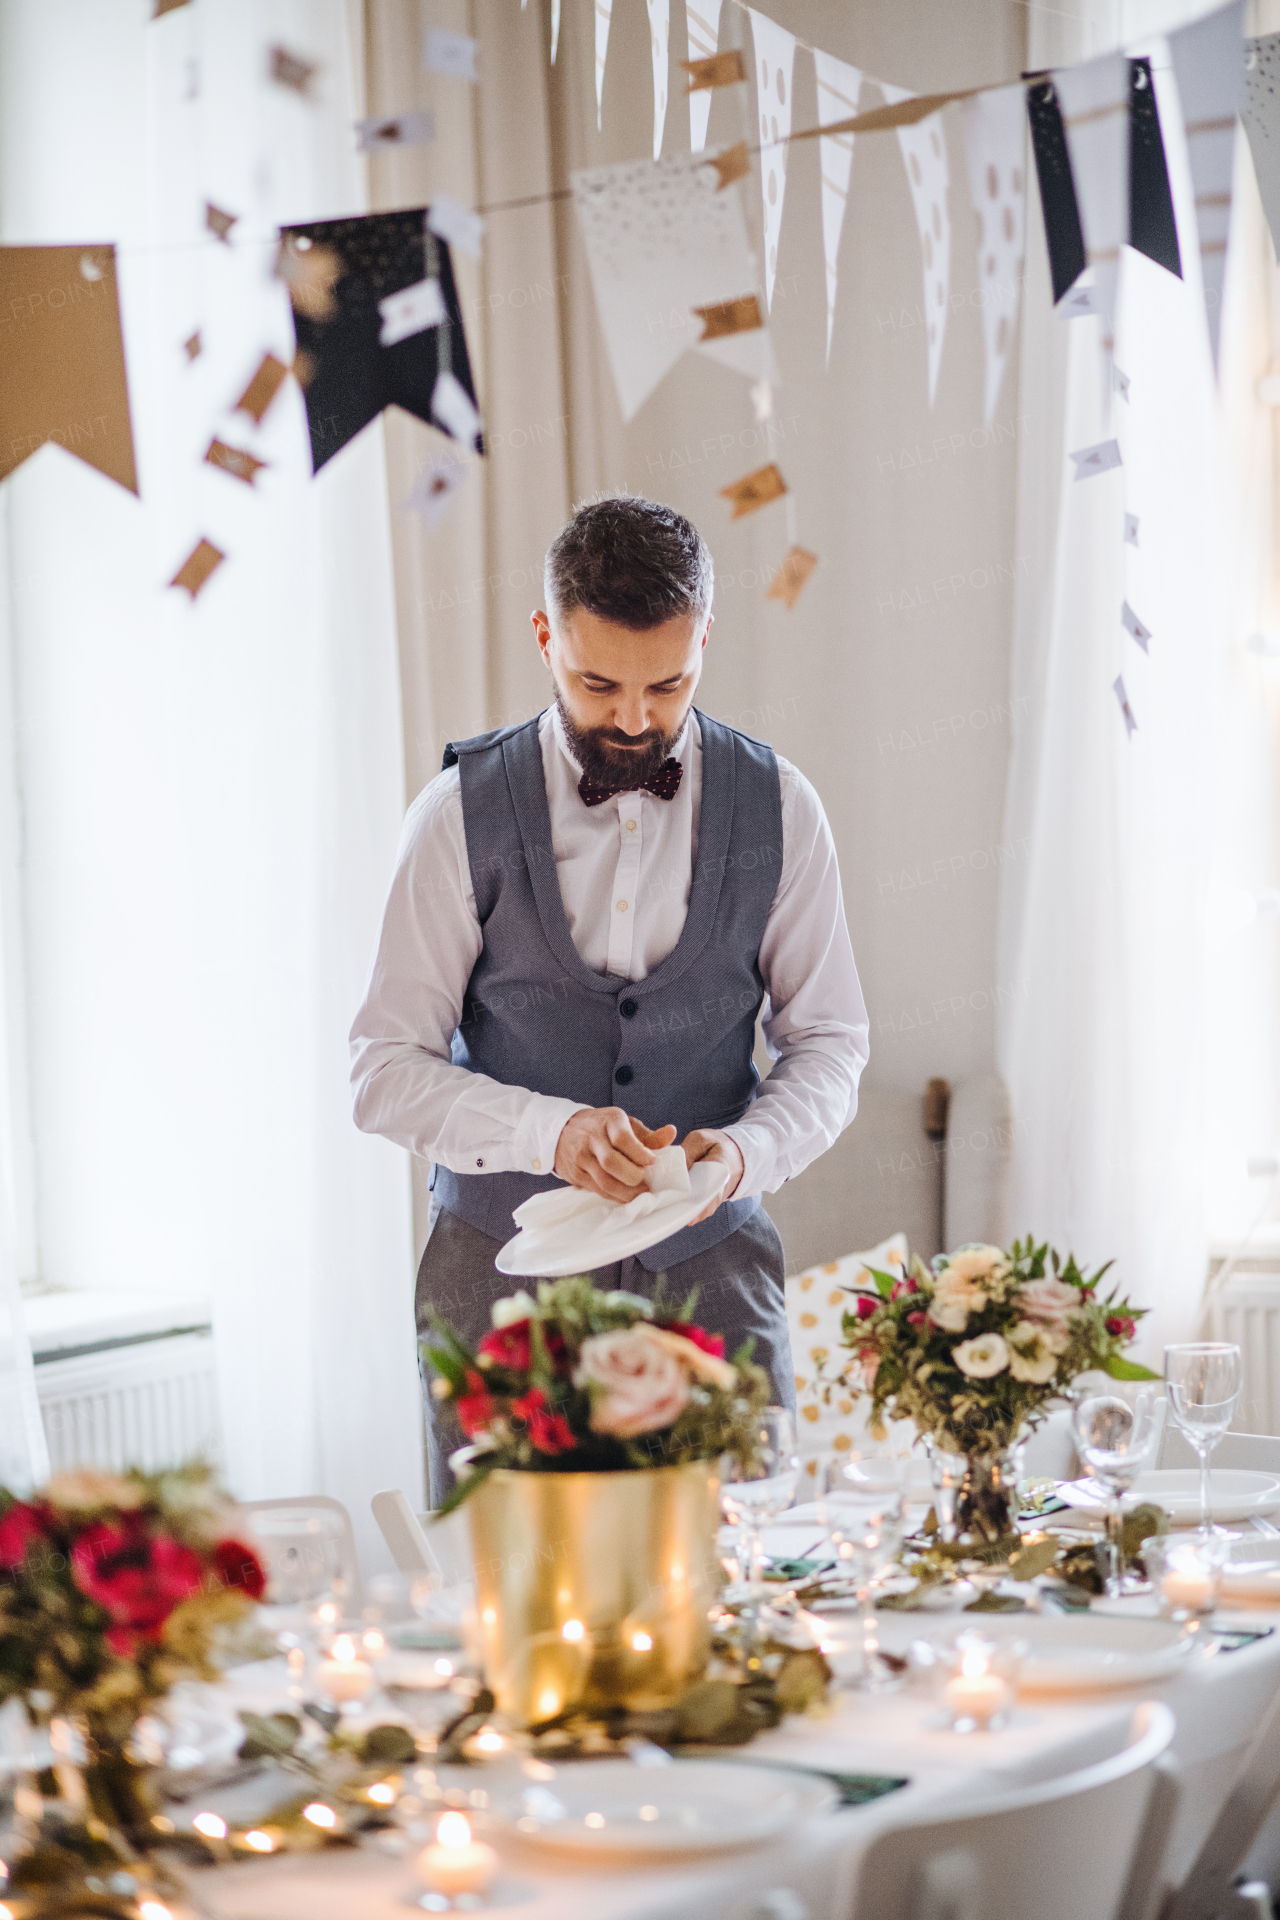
x: 441, y: 1547
x: 341, y: 1520
x: 1086, y: 1847
x: 1242, y: 1452
x: 1209, y: 1891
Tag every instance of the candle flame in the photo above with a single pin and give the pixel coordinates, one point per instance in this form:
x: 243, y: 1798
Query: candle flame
x: 319, y: 1815
x: 642, y: 1642
x: 548, y: 1703
x: 259, y: 1841
x: 973, y: 1665
x: 374, y: 1641
x: 454, y: 1830
x: 344, y: 1647
x: 211, y: 1825
x: 573, y: 1630
x: 445, y: 1668
x: 154, y: 1910
x: 381, y: 1794
x: 489, y: 1740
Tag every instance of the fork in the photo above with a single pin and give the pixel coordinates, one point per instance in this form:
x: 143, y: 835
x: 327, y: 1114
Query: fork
x: 1264, y: 1526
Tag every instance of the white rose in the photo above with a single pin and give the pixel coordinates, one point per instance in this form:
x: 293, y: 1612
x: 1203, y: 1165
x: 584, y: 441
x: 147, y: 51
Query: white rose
x: 1047, y: 1301
x: 983, y: 1356
x: 950, y: 1311
x: 644, y: 1385
x: 517, y: 1306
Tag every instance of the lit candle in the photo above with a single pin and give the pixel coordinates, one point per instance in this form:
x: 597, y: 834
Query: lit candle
x: 976, y: 1696
x: 456, y: 1863
x: 1187, y: 1590
x: 342, y: 1677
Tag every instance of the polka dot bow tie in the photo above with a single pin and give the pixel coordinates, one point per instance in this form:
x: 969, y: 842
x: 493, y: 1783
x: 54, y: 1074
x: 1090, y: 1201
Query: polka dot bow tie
x: 664, y: 784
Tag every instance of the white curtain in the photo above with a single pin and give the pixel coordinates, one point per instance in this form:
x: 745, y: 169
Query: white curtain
x: 212, y: 793
x: 1139, y: 1049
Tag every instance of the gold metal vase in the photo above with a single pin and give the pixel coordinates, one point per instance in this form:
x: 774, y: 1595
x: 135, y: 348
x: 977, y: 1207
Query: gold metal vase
x: 593, y: 1589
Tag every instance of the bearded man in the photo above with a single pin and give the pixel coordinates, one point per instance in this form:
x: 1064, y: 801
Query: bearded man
x: 588, y: 913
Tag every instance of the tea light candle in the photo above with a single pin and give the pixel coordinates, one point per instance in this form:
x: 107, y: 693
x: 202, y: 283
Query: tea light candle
x: 1188, y: 1589
x: 976, y: 1696
x: 342, y: 1677
x: 456, y: 1863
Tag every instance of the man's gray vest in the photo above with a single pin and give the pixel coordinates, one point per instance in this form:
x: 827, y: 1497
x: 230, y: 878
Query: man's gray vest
x: 673, y: 1048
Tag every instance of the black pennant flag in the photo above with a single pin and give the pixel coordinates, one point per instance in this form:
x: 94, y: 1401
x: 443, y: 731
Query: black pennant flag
x: 1062, y: 229
x: 1151, y: 224
x: 359, y: 348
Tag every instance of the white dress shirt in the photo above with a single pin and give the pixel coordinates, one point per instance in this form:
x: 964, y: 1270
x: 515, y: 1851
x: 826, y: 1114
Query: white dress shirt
x: 625, y: 870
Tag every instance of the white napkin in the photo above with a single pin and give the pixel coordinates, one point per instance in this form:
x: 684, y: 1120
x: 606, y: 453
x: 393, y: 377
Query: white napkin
x: 667, y: 1178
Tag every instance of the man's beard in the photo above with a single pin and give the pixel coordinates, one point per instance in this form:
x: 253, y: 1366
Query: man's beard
x: 605, y: 761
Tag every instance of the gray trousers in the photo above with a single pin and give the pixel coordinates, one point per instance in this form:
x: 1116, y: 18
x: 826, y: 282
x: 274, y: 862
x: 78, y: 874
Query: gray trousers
x: 740, y: 1292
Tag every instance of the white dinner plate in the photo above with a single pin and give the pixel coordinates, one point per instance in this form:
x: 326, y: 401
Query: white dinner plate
x: 1234, y: 1494
x: 1056, y: 1654
x: 606, y: 1807
x: 597, y: 1236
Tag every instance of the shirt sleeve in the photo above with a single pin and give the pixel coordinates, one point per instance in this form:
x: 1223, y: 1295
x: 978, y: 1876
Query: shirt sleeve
x: 405, y: 1084
x: 815, y: 1022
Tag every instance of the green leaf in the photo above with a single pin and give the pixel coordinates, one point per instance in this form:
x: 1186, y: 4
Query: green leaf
x: 996, y: 1603
x: 802, y: 1680
x: 885, y: 1282
x: 390, y: 1746
x: 269, y: 1736
x: 1121, y: 1369
x: 707, y: 1710
x: 1028, y: 1561
x: 908, y: 1602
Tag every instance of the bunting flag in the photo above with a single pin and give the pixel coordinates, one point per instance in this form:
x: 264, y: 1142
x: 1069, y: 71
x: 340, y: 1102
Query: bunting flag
x: 1094, y: 99
x: 1152, y: 228
x: 775, y: 61
x: 838, y: 88
x: 995, y: 152
x: 659, y: 47
x: 924, y: 154
x: 702, y: 18
x: 1208, y: 60
x: 667, y: 250
x: 394, y: 337
x: 1062, y: 232
x: 604, y: 15
x: 64, y: 359
x: 1261, y: 116
x: 555, y: 30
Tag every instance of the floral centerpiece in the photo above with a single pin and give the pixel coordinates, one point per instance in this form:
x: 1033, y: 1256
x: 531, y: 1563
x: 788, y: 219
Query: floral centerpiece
x: 594, y: 1423
x: 974, y: 1349
x: 113, y: 1587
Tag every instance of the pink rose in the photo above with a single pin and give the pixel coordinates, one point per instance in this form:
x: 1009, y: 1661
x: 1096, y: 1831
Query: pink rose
x: 641, y: 1384
x: 1047, y: 1302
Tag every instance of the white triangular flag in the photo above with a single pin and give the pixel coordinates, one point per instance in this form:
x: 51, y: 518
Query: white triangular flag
x: 1131, y: 529
x: 775, y: 58
x: 1097, y: 459
x: 1209, y: 63
x: 1132, y: 625
x: 451, y: 405
x: 412, y: 310
x: 838, y: 88
x: 659, y: 47
x: 604, y: 14
x: 995, y: 135
x: 702, y: 18
x: 924, y: 154
x: 1094, y: 99
x: 1130, y: 724
x: 555, y: 29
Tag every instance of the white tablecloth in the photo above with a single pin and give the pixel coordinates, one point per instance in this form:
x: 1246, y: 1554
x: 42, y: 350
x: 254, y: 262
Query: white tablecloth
x: 1218, y: 1703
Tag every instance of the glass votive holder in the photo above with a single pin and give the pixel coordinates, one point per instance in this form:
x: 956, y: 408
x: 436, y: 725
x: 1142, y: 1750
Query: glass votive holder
x: 1185, y: 1572
x: 980, y: 1694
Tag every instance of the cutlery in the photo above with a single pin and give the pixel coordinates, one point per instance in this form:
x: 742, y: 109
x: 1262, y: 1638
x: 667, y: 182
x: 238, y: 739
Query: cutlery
x: 1264, y: 1526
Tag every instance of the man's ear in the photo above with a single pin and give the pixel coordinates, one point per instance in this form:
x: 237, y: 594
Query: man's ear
x: 542, y: 628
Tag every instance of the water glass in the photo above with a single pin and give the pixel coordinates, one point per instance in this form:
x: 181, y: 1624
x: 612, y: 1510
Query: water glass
x: 1186, y: 1573
x: 1117, y: 1434
x: 1204, y: 1379
x: 755, y: 1491
x: 861, y: 1504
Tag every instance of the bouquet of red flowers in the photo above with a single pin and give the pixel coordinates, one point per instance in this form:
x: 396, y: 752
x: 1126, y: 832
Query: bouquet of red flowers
x: 113, y: 1587
x: 583, y: 1381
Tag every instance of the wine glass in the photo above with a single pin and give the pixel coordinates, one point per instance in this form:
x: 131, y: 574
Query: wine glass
x: 1117, y: 1435
x: 1204, y: 1380
x: 756, y: 1490
x: 861, y: 1503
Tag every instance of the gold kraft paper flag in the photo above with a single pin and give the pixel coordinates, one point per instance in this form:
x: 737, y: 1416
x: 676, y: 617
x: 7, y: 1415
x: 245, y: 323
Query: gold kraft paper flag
x: 263, y: 388
x: 219, y: 223
x: 203, y: 560
x: 733, y: 164
x: 791, y: 575
x: 755, y: 490
x: 718, y: 70
x: 64, y: 374
x: 731, y: 316
x: 234, y: 460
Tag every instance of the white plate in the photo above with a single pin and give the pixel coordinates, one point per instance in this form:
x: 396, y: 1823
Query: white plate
x: 603, y: 1807
x: 608, y: 1231
x: 1233, y: 1494
x: 1058, y: 1655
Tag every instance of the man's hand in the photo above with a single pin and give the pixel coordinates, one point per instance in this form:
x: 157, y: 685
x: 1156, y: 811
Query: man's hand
x: 710, y: 1143
x: 605, y: 1151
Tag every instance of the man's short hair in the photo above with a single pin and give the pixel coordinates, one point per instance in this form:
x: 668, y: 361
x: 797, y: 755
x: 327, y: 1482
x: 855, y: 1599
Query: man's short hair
x: 631, y: 561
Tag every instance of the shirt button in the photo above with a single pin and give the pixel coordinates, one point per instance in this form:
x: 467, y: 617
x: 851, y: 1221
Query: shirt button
x: 631, y: 826
x: 627, y: 1008
x: 622, y: 906
x: 624, y: 1076
x: 537, y: 1166
x: 479, y: 1163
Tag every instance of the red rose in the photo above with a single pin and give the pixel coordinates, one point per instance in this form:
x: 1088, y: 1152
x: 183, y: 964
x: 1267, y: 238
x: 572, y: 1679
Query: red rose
x: 20, y: 1528
x: 239, y: 1566
x: 866, y: 1306
x: 137, y: 1579
x: 513, y: 1346
x: 712, y: 1343
x: 475, y: 1407
x: 549, y: 1432
x: 903, y: 1286
x: 916, y: 1319
x: 1121, y: 1327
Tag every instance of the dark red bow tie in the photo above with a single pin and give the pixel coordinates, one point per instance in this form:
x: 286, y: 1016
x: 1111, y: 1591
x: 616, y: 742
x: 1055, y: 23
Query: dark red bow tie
x: 664, y: 784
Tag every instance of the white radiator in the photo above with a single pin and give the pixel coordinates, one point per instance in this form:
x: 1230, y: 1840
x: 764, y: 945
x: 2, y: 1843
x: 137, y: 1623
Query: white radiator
x: 147, y: 1403
x: 1246, y: 1310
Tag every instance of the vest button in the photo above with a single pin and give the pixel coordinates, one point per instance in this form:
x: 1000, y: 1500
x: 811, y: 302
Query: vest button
x: 624, y: 1076
x: 628, y: 1009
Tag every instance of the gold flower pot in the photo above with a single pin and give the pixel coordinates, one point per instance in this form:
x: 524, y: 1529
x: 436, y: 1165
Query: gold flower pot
x: 593, y: 1589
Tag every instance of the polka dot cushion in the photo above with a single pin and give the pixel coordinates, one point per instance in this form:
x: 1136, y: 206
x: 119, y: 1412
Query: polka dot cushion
x: 827, y: 1419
